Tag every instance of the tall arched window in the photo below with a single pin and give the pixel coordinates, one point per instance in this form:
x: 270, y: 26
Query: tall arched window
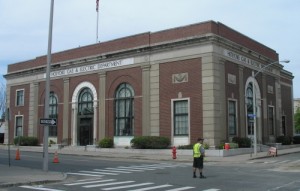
x: 249, y: 94
x: 85, y: 102
x: 124, y: 110
x: 53, y: 111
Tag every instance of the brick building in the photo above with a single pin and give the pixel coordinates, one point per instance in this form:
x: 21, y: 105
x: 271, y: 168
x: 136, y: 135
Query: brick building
x: 182, y: 83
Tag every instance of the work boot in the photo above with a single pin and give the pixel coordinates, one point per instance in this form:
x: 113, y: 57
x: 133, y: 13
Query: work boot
x: 194, y: 176
x: 202, y: 176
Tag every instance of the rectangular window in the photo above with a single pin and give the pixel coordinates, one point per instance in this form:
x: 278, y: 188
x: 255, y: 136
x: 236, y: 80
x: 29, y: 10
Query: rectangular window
x: 283, y: 121
x: 20, y: 98
x: 181, y: 117
x: 19, y: 126
x: 271, y: 120
x: 232, y: 119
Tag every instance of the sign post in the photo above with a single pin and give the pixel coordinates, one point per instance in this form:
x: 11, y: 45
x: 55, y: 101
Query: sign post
x: 47, y: 90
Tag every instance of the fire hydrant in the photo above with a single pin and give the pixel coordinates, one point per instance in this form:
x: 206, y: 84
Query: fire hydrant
x: 174, y: 152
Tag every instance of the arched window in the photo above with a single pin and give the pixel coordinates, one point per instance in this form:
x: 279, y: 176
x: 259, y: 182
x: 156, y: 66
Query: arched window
x: 53, y: 113
x: 249, y: 94
x: 124, y: 110
x: 85, y: 102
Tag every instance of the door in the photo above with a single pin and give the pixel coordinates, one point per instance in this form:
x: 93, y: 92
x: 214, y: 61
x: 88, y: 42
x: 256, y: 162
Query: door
x: 85, y: 131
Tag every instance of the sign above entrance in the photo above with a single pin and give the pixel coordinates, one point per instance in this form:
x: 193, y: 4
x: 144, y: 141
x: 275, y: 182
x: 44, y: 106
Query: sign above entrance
x: 92, y: 67
x: 49, y: 121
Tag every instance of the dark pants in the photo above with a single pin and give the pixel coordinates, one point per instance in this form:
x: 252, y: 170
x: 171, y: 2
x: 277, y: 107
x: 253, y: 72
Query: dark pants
x: 198, y: 162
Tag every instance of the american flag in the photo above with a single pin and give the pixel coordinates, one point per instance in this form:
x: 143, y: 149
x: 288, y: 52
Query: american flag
x: 97, y: 5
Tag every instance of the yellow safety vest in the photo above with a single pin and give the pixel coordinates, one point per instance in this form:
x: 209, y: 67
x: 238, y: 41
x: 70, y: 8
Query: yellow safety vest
x: 196, y: 150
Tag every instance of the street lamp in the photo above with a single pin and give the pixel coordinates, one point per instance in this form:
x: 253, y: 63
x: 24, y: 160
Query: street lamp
x: 254, y: 101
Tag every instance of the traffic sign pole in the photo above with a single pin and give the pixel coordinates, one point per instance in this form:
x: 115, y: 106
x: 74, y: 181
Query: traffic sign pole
x: 47, y: 90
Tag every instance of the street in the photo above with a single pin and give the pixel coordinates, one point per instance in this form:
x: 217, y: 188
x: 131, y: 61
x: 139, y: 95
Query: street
x: 94, y: 173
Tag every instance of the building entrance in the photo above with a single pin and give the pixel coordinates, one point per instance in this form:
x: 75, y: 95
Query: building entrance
x: 85, y: 130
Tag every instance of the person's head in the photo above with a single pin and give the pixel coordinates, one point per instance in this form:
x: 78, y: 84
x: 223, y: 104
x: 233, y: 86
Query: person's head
x: 200, y: 140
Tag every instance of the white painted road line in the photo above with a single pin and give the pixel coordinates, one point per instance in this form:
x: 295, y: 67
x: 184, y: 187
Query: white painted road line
x: 39, y: 188
x: 90, y: 179
x: 182, y: 188
x: 111, y: 171
x: 125, y: 169
x: 153, y: 188
x: 90, y: 182
x: 83, y: 174
x: 128, y: 186
x: 93, y: 172
x: 136, y: 168
x: 285, y: 161
x: 107, y: 184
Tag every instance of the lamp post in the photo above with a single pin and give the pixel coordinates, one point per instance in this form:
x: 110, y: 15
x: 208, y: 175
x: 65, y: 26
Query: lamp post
x: 254, y: 101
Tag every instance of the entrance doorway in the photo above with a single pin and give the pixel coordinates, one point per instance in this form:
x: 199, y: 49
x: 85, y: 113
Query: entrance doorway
x: 85, y: 130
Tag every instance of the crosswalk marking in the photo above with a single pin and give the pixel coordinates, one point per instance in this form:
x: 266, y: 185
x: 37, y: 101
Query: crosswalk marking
x: 93, y: 172
x: 182, y: 188
x: 269, y: 162
x: 90, y: 179
x: 40, y: 188
x: 114, y: 184
x: 274, y: 162
x: 84, y: 174
x: 125, y: 169
x: 112, y: 171
x: 136, y: 168
x: 285, y: 161
x: 128, y: 186
x: 152, y: 188
x: 107, y: 184
x: 91, y: 182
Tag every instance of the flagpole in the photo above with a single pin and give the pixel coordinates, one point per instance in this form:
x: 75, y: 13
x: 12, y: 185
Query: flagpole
x: 97, y: 27
x: 97, y: 10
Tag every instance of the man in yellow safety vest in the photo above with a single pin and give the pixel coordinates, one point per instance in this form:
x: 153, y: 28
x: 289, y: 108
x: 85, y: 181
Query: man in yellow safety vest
x: 198, y: 154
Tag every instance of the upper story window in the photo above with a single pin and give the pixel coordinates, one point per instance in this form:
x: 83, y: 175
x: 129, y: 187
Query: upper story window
x: 19, y: 97
x: 85, y: 102
x: 124, y: 110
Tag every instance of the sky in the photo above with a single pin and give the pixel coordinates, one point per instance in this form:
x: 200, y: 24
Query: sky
x: 24, y: 24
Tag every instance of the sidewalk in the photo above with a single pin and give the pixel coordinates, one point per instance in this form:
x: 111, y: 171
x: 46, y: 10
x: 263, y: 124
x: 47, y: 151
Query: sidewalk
x: 15, y: 176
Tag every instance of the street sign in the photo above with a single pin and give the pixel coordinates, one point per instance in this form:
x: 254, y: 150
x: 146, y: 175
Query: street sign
x: 50, y: 121
x: 251, y: 115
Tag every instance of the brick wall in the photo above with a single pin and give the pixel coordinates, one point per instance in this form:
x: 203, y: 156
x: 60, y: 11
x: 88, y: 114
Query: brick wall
x: 191, y: 89
x: 132, y: 76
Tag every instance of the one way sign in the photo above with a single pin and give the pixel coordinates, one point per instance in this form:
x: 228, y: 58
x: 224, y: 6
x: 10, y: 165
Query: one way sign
x: 49, y: 121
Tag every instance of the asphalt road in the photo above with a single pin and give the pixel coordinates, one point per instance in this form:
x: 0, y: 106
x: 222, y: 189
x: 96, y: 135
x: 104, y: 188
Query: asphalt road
x: 93, y: 173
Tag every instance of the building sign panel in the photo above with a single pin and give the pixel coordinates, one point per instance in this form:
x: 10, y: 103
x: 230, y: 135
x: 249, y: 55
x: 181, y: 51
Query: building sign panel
x: 245, y: 60
x: 92, y: 67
